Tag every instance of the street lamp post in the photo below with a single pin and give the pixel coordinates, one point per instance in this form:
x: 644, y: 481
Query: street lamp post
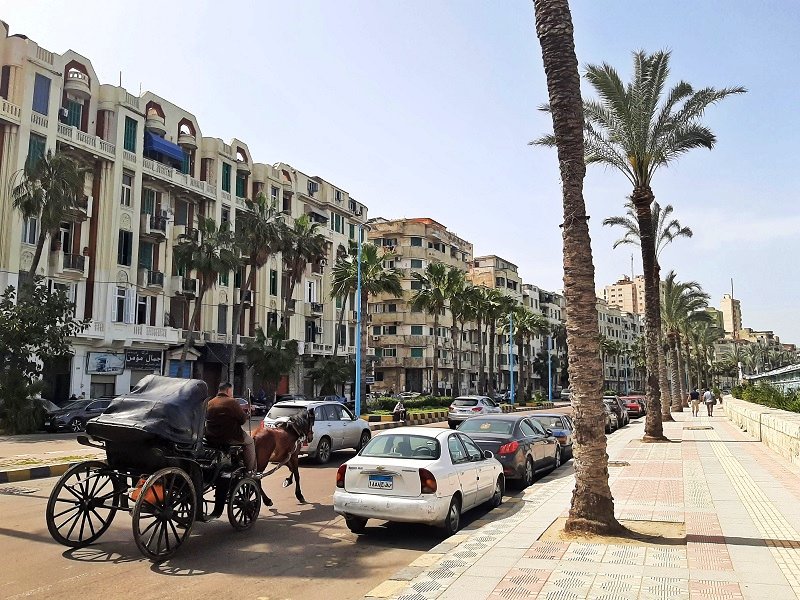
x: 358, y: 324
x: 511, y: 353
x: 549, y: 368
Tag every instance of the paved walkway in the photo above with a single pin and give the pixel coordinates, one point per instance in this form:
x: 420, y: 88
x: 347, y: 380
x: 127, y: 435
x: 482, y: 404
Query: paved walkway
x: 740, y: 503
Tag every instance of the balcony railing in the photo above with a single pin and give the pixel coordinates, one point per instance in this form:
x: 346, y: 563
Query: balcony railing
x: 84, y: 141
x: 158, y: 223
x: 189, y: 286
x: 317, y: 308
x: 74, y: 262
x: 155, y: 278
x: 39, y: 120
x: 167, y: 173
x: 9, y: 111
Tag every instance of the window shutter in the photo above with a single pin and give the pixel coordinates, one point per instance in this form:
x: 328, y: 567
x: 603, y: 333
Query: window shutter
x: 130, y: 305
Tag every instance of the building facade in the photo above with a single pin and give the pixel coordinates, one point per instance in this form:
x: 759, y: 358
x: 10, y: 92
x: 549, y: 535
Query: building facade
x: 152, y: 175
x: 731, y: 315
x: 622, y: 328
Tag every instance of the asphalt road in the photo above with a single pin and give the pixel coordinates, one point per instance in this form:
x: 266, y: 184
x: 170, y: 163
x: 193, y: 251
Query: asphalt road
x: 293, y: 551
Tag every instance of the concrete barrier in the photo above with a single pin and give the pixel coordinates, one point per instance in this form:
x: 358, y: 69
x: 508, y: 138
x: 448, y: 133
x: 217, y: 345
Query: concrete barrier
x: 778, y: 429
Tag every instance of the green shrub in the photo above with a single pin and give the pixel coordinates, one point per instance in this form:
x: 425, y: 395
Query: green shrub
x: 767, y: 395
x: 420, y: 402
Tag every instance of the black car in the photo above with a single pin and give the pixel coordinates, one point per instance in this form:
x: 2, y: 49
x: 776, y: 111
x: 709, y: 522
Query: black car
x: 74, y: 415
x: 619, y: 409
x: 521, y: 444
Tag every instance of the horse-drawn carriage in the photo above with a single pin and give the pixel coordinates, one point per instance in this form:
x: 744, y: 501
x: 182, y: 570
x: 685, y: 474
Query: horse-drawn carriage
x: 158, y: 467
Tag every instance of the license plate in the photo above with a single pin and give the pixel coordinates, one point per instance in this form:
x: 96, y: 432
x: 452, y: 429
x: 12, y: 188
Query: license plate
x: 47, y: 423
x: 381, y: 482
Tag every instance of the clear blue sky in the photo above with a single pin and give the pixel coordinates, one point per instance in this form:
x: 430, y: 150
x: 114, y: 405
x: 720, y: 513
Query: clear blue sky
x: 425, y: 108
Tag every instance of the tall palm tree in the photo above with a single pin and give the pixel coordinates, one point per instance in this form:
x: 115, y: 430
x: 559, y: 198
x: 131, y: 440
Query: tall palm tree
x: 592, y: 508
x: 457, y: 301
x: 258, y: 236
x: 526, y: 325
x: 271, y: 356
x: 213, y: 252
x: 753, y: 358
x: 636, y: 130
x: 431, y: 298
x: 375, y: 279
x: 477, y: 301
x: 497, y: 309
x: 300, y: 244
x: 45, y: 190
x: 342, y: 289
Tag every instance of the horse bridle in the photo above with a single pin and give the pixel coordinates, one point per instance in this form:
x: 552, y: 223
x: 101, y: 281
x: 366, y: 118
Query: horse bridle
x: 301, y: 437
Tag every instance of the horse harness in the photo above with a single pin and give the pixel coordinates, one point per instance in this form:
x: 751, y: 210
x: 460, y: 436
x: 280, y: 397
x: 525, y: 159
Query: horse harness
x: 301, y: 437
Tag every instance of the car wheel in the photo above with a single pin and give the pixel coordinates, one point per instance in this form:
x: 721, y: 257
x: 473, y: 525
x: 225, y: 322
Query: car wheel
x: 499, y: 489
x: 355, y: 524
x: 529, y: 475
x: 608, y: 427
x: 76, y: 425
x: 452, y: 424
x: 323, y: 450
x: 453, y: 519
x: 365, y: 438
x: 571, y: 453
x: 557, y: 457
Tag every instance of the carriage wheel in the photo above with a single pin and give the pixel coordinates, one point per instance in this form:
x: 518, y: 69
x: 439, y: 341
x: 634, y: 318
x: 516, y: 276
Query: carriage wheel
x: 244, y: 504
x: 82, y: 504
x: 164, y: 513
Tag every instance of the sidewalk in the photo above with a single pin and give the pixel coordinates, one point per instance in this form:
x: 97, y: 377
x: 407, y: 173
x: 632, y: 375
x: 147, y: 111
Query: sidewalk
x: 740, y: 503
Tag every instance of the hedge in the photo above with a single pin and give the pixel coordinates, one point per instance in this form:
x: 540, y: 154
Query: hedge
x: 767, y: 395
x: 420, y: 402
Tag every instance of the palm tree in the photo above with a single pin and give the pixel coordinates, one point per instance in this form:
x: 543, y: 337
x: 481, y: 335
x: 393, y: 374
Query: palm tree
x: 592, y: 508
x: 300, y: 244
x: 526, y: 325
x: 753, y: 358
x: 375, y: 279
x: 477, y: 301
x: 257, y: 236
x: 458, y: 302
x: 431, y: 298
x: 213, y: 252
x: 498, y: 307
x: 330, y: 373
x: 683, y: 304
x: 634, y: 130
x: 46, y: 190
x: 271, y: 356
x: 606, y: 350
x: 342, y: 289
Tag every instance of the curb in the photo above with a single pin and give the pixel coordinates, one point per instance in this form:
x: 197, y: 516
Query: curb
x: 13, y: 475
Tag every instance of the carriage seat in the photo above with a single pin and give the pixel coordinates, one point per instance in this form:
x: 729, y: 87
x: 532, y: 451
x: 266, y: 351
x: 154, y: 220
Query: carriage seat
x: 224, y: 446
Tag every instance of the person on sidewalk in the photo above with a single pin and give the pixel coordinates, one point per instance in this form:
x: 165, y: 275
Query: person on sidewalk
x: 694, y: 398
x: 399, y: 412
x: 224, y: 420
x: 710, y: 401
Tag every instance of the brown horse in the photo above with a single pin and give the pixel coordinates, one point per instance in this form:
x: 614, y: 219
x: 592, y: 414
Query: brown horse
x: 281, y: 445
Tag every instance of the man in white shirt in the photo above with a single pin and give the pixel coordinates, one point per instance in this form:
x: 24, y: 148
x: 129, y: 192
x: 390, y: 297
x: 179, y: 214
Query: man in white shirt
x: 708, y: 399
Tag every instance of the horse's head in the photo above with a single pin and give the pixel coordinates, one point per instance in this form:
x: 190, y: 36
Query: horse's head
x: 303, y: 424
x: 310, y: 428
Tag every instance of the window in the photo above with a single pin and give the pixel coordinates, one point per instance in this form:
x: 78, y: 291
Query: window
x: 30, y: 230
x: 146, y: 255
x: 313, y: 187
x: 473, y: 451
x: 274, y: 191
x: 273, y: 282
x: 41, y: 94
x: 337, y: 222
x: 149, y: 200
x: 457, y: 453
x: 222, y: 318
x: 416, y: 329
x: 181, y: 213
x: 416, y: 241
x: 416, y: 285
x: 536, y: 426
x: 352, y: 232
x: 226, y: 177
x: 390, y: 352
x: 129, y: 141
x: 390, y: 329
x: 224, y: 278
x: 125, y: 248
x: 142, y: 310
x: 225, y: 214
x: 119, y: 306
x: 417, y: 352
x: 337, y: 196
x: 240, y: 185
x: 311, y: 291
x: 36, y: 148
x: 376, y: 330
x: 416, y: 263
x: 127, y: 189
x: 391, y: 308
x: 74, y: 113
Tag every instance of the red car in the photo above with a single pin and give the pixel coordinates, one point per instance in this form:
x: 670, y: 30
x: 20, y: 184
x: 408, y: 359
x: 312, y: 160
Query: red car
x: 635, y: 405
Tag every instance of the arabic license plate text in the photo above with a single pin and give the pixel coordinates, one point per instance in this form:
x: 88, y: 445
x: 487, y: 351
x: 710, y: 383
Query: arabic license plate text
x: 382, y: 482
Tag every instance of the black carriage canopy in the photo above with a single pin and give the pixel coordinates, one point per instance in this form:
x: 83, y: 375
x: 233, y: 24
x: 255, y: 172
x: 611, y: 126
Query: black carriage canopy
x: 168, y: 408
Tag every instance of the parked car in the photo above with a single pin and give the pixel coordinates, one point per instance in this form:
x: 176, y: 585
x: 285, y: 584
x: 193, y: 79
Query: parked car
x: 612, y: 423
x: 259, y: 408
x: 248, y: 410
x: 335, y: 427
x: 290, y: 398
x: 566, y: 394
x: 74, y: 415
x: 465, y: 407
x: 634, y: 406
x: 522, y: 445
x: 619, y: 409
x: 408, y: 395
x: 340, y: 399
x: 417, y: 475
x: 563, y: 430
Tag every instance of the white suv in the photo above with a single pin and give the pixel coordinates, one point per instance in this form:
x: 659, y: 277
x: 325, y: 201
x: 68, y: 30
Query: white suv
x: 464, y: 407
x: 335, y: 427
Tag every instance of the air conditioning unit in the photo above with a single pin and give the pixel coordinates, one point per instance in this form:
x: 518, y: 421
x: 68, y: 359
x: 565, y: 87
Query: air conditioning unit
x: 319, y: 329
x: 376, y: 338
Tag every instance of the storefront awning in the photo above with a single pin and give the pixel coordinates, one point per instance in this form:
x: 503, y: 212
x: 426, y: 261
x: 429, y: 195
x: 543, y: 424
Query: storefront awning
x: 157, y: 144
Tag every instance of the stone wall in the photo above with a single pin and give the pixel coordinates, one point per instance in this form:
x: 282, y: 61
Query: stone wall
x: 778, y: 429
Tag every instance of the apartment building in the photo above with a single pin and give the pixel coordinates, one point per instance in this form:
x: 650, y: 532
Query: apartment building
x: 624, y: 328
x: 404, y: 339
x: 627, y: 294
x: 152, y: 175
x: 731, y: 315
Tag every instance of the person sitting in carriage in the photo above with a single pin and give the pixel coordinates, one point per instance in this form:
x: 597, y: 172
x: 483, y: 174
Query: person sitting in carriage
x: 224, y: 420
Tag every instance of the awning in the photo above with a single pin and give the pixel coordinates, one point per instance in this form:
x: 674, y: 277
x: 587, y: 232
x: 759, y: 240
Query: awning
x: 157, y: 144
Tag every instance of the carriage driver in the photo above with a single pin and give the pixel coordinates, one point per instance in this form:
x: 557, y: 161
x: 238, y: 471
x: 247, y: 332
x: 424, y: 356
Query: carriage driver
x: 224, y: 420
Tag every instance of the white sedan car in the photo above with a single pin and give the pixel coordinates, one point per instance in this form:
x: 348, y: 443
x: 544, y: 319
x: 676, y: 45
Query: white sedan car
x: 417, y: 475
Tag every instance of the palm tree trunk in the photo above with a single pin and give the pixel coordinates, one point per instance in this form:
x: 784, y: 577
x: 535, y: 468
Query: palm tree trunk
x: 642, y: 197
x: 592, y: 508
x: 663, y: 376
x: 435, y: 380
x: 237, y: 316
x: 481, y: 365
x: 37, y: 256
x: 456, y: 374
x: 520, y: 391
x: 492, y: 333
x: 460, y: 354
x: 679, y: 359
x: 674, y: 373
x: 363, y: 333
x: 687, y: 366
x: 339, y: 320
x: 193, y: 322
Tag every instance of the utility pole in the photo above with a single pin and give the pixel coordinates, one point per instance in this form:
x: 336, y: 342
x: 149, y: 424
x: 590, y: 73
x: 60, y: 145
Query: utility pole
x: 549, y: 368
x: 358, y: 325
x: 511, y: 353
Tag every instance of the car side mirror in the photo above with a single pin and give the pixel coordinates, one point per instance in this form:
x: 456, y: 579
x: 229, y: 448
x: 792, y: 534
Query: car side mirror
x: 488, y: 454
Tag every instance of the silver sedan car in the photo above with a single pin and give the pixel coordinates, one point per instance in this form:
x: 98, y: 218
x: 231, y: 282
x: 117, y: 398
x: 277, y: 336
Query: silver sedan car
x: 465, y: 407
x: 335, y: 427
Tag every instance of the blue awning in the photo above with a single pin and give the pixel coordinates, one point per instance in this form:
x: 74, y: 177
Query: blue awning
x: 157, y: 144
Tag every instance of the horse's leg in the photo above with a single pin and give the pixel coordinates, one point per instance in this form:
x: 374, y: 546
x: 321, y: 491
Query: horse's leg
x: 294, y: 466
x: 264, y: 448
x: 288, y: 481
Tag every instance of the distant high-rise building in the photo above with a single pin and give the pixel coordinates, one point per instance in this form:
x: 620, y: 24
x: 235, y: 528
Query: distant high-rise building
x: 731, y: 315
x: 626, y: 294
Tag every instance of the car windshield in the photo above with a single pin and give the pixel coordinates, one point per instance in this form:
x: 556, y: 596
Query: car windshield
x: 76, y: 404
x: 276, y: 412
x: 487, y: 426
x: 393, y: 445
x: 465, y: 402
x: 550, y: 422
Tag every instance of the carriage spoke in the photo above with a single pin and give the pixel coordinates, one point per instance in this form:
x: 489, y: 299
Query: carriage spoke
x: 149, y: 527
x: 175, y: 531
x: 63, y: 512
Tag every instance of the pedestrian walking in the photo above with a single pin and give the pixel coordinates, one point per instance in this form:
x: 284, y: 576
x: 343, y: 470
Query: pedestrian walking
x: 694, y: 398
x: 710, y: 401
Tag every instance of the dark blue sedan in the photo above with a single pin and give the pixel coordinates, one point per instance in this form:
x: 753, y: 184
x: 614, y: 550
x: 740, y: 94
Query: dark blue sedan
x: 563, y: 430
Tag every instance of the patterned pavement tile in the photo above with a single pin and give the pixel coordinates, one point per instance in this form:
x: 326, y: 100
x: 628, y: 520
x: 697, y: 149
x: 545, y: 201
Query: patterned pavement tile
x: 625, y: 555
x: 547, y: 550
x: 714, y: 590
x: 584, y: 552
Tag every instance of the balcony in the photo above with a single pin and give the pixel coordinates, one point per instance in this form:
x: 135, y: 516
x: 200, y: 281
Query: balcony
x: 184, y: 286
x: 10, y: 112
x: 129, y: 333
x: 77, y: 84
x: 155, y: 123
x: 316, y: 308
x: 81, y: 210
x: 242, y: 167
x: 187, y: 140
x: 291, y: 304
x: 96, y: 146
x: 70, y: 266
x: 151, y: 279
x: 313, y: 348
x: 40, y: 121
x: 245, y: 298
x: 183, y: 232
x: 153, y: 226
x: 175, y: 177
